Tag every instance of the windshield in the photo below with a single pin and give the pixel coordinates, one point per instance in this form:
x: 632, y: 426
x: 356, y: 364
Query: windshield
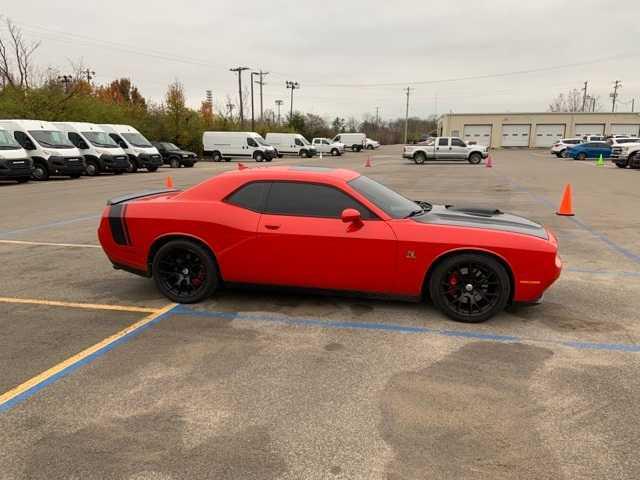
x: 304, y: 140
x: 137, y: 140
x: 170, y: 146
x: 7, y: 142
x: 390, y: 202
x: 261, y: 142
x: 51, y: 138
x: 100, y: 139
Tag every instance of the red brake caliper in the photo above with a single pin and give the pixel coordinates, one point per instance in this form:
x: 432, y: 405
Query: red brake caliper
x: 453, y: 282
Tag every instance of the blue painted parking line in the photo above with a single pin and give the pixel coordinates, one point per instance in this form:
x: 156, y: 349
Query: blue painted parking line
x: 602, y: 272
x: 390, y: 327
x: 43, y: 226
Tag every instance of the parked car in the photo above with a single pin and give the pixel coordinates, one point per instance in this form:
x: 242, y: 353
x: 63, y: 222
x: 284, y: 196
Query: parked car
x: 593, y: 138
x: 328, y: 229
x: 15, y: 163
x: 174, y: 156
x: 371, y: 144
x: 101, y: 153
x: 626, y: 155
x: 140, y: 151
x: 617, y: 140
x: 243, y: 145
x: 48, y: 148
x: 586, y: 150
x: 291, y: 144
x: 445, y: 148
x: 324, y: 145
x: 354, y: 141
x: 560, y: 147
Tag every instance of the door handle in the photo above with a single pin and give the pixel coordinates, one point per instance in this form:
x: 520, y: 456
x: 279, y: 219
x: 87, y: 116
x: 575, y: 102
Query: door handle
x: 272, y: 227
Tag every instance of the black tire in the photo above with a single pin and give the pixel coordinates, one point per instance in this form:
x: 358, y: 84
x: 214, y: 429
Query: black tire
x: 40, y: 171
x: 152, y: 168
x: 456, y: 290
x: 581, y: 156
x: 177, y: 257
x: 22, y: 179
x: 634, y: 161
x: 118, y: 172
x: 75, y: 175
x: 475, y: 158
x: 258, y: 156
x: 216, y: 156
x: 335, y: 152
x: 92, y: 169
x: 304, y: 154
x: 563, y: 153
x: 622, y: 164
x: 369, y: 147
x: 174, y: 162
x: 419, y: 158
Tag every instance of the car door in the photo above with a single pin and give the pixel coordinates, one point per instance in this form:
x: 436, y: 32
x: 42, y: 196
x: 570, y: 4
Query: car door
x: 443, y: 149
x: 304, y: 242
x: 458, y: 149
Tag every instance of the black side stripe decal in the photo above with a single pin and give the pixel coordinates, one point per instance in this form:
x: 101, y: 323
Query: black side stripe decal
x: 117, y: 224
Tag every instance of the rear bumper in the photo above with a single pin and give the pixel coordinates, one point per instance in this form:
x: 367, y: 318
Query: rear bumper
x: 408, y: 155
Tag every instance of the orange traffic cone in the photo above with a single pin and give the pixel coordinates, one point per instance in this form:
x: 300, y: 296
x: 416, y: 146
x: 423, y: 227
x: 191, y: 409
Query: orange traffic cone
x: 241, y: 166
x: 169, y: 182
x: 566, y: 208
x: 368, y: 164
x: 489, y: 162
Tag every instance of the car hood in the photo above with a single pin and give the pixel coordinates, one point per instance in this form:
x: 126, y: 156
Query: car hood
x: 475, y: 217
x: 181, y: 152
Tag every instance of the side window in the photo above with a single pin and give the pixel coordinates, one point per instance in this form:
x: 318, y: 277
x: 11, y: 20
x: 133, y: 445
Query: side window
x: 326, y: 142
x: 338, y: 138
x: 443, y: 142
x: 251, y: 142
x: 77, y: 140
x: 311, y: 200
x: 299, y: 143
x: 456, y: 142
x: 250, y: 196
x: 118, y: 140
x: 24, y: 141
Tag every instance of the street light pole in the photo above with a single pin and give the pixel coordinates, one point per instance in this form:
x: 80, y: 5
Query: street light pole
x: 253, y: 119
x: 279, y: 104
x: 292, y: 86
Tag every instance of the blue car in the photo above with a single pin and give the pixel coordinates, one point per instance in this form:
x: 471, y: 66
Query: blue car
x: 582, y: 151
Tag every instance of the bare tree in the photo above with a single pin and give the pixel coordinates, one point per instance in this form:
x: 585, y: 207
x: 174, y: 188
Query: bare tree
x: 15, y: 58
x: 569, y: 102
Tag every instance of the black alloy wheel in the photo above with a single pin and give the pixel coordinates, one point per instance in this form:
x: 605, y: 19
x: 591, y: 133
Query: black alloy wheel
x: 185, y: 272
x: 470, y: 288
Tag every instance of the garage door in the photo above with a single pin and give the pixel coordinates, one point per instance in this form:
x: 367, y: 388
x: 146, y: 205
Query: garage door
x: 623, y: 129
x: 481, y: 134
x: 515, y: 135
x: 546, y: 135
x: 589, y: 129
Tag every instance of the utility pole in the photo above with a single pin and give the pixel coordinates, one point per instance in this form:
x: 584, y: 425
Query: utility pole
x: 406, y: 117
x: 253, y: 118
x: 89, y: 74
x: 240, y: 70
x: 584, y: 96
x: 279, y: 104
x: 261, y: 83
x: 66, y: 81
x: 377, y: 116
x: 292, y: 86
x: 617, y: 84
x: 633, y: 105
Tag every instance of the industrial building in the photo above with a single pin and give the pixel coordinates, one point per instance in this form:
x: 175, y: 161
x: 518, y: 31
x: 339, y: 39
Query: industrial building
x: 534, y: 130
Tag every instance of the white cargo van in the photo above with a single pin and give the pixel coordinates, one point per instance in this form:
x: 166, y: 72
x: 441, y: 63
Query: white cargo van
x: 291, y: 144
x: 50, y: 150
x: 101, y: 153
x: 140, y: 151
x: 355, y: 141
x: 15, y: 164
x: 227, y: 145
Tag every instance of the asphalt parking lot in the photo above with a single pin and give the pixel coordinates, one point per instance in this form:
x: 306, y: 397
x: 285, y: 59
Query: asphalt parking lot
x: 102, y: 378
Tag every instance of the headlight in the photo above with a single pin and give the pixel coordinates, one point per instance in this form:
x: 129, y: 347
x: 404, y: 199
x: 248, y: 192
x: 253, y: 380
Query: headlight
x: 185, y: 155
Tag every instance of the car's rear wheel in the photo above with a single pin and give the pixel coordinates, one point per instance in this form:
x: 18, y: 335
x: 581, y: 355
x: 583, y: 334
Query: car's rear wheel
x: 185, y: 272
x: 217, y: 156
x: 470, y: 287
x: 174, y: 163
x: 563, y: 153
x: 419, y: 158
x: 475, y: 158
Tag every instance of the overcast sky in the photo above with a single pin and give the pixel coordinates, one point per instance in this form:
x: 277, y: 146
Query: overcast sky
x: 341, y: 51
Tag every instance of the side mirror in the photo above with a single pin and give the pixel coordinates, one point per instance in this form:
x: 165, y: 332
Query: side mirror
x: 351, y: 215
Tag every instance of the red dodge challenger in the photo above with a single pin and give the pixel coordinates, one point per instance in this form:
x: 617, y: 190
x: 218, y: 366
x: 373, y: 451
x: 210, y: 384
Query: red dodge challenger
x: 328, y: 230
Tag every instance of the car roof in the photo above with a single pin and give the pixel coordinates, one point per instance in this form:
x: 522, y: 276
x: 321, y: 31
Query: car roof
x: 296, y: 172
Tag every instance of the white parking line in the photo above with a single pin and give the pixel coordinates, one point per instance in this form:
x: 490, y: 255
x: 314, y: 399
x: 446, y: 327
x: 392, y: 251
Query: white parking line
x: 50, y: 244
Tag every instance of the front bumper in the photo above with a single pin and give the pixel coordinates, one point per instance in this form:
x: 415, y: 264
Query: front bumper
x: 18, y: 168
x: 485, y: 154
x: 115, y: 163
x: 66, y: 165
x: 149, y: 160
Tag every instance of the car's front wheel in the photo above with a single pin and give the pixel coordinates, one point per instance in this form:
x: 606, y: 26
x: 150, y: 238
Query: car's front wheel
x: 185, y: 272
x: 470, y: 287
x: 174, y: 163
x: 581, y: 156
x: 335, y: 152
x: 475, y: 158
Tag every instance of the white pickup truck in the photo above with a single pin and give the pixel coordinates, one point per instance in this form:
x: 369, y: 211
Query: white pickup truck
x: 626, y: 155
x: 445, y: 148
x: 324, y: 145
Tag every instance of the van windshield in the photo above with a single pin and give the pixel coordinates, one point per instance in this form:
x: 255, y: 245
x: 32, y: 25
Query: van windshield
x: 261, y: 142
x: 304, y: 140
x: 136, y: 140
x: 7, y: 142
x: 100, y: 139
x: 51, y: 138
